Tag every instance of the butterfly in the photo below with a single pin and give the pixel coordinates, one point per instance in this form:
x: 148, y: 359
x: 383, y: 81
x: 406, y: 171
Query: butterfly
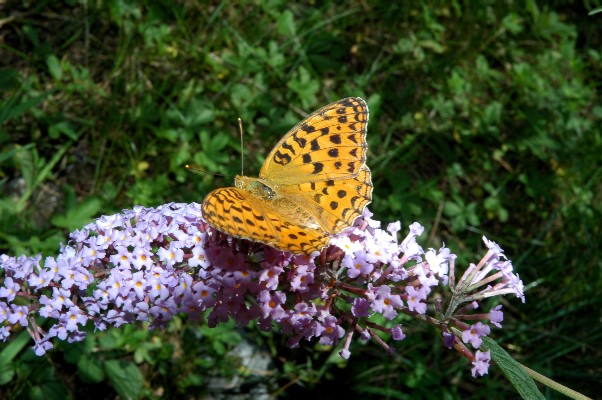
x: 312, y: 185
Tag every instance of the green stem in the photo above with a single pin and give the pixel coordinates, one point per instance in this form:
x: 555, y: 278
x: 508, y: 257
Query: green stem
x: 554, y: 385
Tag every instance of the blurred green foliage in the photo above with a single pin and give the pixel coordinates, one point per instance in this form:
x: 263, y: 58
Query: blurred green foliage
x: 485, y: 119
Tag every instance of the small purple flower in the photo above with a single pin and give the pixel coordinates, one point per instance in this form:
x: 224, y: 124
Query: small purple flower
x: 302, y: 277
x: 329, y: 331
x: 183, y: 285
x: 82, y: 278
x: 438, y: 262
x: 205, y: 295
x: 10, y: 289
x: 358, y: 265
x: 361, y: 307
x: 121, y: 259
x: 199, y: 257
x: 270, y: 277
x: 164, y: 309
x: 492, y: 246
x: 137, y: 283
x: 58, y: 330
x: 109, y: 221
x: 90, y: 253
x: 394, y: 227
x: 496, y: 316
x: 158, y: 290
x: 474, y: 333
x: 141, y: 258
x: 170, y: 256
x: 411, y: 249
x: 345, y: 353
x: 116, y: 318
x: 416, y: 229
x: 41, y: 347
x: 449, y: 339
x: 397, y: 333
x: 18, y: 314
x: 302, y: 316
x: 4, y: 311
x: 60, y: 298
x: 231, y: 261
x: 395, y: 272
x: 67, y: 274
x: 344, y: 243
x: 38, y: 281
x: 385, y: 302
x: 73, y: 318
x: 380, y: 247
x: 481, y: 363
x: 416, y: 298
x: 4, y: 333
x: 426, y: 279
x: 271, y: 304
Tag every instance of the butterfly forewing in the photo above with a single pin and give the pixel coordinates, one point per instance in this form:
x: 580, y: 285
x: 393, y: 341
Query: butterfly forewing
x: 329, y: 144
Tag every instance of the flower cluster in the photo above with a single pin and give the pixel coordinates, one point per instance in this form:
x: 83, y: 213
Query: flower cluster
x: 150, y: 264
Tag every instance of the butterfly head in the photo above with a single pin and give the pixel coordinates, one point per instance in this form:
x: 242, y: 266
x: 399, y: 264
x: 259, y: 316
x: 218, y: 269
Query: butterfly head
x: 255, y: 185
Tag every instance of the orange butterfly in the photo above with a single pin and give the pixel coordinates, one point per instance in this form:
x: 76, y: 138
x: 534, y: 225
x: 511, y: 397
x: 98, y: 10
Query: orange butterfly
x: 314, y: 183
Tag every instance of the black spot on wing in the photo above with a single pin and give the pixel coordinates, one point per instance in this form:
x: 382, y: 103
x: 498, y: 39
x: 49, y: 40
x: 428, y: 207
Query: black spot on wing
x: 300, y: 141
x: 281, y: 158
x: 288, y: 147
x: 308, y: 128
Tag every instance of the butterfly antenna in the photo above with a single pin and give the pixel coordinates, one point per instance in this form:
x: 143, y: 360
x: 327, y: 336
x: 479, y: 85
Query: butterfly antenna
x: 201, y: 171
x: 242, y: 149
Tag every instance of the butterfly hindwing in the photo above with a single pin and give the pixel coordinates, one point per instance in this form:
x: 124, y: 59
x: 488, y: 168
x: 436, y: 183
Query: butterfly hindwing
x: 237, y: 213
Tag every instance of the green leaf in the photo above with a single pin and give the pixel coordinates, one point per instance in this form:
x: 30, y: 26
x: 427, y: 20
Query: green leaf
x: 79, y: 215
x: 90, y: 370
x: 49, y: 390
x: 451, y: 209
x: 10, y: 110
x: 306, y: 86
x: 7, y: 355
x: 54, y: 67
x: 64, y: 128
x: 125, y: 377
x: 286, y: 23
x: 12, y: 152
x: 513, y: 370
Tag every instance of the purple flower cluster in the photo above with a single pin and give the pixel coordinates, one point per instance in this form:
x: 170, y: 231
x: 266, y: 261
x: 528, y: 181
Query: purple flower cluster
x: 150, y: 264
